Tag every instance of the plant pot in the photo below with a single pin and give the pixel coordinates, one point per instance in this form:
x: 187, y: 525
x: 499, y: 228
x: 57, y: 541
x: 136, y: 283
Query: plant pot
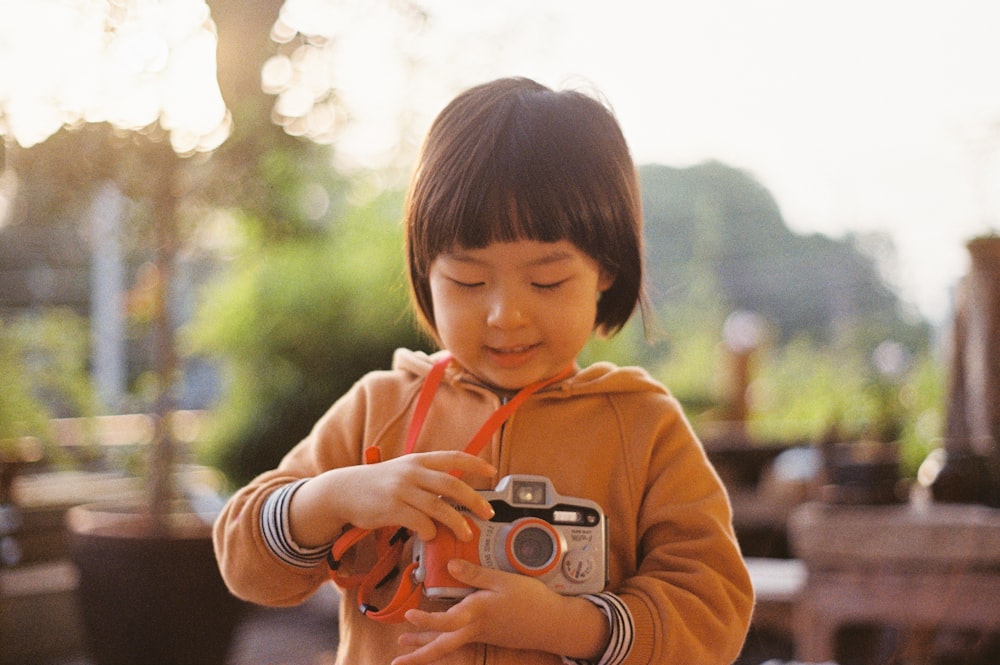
x: 862, y: 473
x: 148, y: 598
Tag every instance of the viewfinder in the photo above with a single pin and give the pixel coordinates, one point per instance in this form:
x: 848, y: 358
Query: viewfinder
x: 529, y: 492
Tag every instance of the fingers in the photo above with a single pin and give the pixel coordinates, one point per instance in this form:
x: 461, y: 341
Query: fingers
x: 432, y: 647
x: 425, y: 490
x: 483, y: 578
x: 460, y: 492
x: 433, y: 474
x: 455, y: 462
x: 442, y: 512
x: 428, y: 624
x: 475, y: 576
x: 435, y: 635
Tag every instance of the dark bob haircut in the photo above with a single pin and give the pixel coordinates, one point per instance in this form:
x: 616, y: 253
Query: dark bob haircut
x: 514, y: 160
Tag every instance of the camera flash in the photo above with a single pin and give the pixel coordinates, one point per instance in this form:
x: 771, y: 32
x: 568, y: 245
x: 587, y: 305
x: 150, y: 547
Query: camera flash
x: 529, y: 492
x: 567, y: 516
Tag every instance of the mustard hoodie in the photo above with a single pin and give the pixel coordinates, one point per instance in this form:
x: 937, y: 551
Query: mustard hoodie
x: 608, y: 434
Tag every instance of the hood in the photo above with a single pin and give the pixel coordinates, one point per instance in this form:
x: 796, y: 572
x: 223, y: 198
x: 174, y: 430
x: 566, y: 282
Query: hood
x: 599, y: 378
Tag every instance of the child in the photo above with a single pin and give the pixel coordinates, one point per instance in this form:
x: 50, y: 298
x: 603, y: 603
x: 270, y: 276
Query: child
x: 523, y: 238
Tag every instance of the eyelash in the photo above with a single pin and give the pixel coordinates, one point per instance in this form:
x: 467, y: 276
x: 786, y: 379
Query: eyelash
x: 549, y: 286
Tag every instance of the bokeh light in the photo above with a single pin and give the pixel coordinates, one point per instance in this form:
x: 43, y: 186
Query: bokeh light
x: 131, y: 63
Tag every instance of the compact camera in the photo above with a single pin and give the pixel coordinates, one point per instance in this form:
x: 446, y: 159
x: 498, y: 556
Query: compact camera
x: 558, y: 540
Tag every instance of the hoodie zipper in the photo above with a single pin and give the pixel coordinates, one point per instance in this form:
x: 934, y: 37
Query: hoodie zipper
x: 500, y: 432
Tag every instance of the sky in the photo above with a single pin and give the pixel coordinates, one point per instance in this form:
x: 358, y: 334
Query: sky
x: 857, y: 115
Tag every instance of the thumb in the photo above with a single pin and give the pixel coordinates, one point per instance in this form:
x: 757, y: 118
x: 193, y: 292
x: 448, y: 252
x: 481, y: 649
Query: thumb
x: 469, y: 573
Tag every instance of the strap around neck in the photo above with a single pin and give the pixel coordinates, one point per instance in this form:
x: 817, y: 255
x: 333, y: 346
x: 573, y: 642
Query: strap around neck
x: 492, y: 424
x: 424, y: 399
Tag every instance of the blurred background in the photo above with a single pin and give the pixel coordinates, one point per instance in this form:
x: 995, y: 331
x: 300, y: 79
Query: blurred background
x: 200, y: 206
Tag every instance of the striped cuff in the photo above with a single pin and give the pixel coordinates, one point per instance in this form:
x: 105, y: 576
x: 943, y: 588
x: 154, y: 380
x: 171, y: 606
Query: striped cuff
x: 277, y: 534
x: 622, y: 630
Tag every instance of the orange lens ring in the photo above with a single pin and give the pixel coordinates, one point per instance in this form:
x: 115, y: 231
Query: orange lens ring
x: 537, y: 523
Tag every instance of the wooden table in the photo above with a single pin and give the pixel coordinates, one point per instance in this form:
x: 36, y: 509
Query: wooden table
x: 923, y: 567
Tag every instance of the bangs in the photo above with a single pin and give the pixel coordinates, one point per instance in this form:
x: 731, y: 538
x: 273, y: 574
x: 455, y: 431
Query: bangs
x: 542, y: 178
x: 517, y: 201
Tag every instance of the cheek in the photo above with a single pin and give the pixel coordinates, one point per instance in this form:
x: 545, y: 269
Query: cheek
x: 436, y: 298
x: 449, y: 314
x: 575, y: 318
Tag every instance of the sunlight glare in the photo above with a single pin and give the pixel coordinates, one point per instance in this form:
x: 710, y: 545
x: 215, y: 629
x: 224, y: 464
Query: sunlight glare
x: 327, y: 49
x: 130, y: 63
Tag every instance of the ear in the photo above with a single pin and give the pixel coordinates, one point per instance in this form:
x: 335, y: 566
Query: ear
x: 605, y: 280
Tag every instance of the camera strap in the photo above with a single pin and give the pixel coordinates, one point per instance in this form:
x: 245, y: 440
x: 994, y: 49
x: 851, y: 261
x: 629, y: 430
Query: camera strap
x: 389, y: 541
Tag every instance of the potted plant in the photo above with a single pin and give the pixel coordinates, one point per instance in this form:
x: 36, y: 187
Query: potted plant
x: 149, y: 583
x: 43, y: 365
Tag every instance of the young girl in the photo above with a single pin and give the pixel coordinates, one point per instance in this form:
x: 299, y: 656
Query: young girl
x: 523, y: 229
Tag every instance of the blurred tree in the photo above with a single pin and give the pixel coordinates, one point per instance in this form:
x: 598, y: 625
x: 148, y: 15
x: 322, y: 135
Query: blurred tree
x: 284, y: 186
x: 291, y: 319
x: 715, y: 235
x: 295, y: 325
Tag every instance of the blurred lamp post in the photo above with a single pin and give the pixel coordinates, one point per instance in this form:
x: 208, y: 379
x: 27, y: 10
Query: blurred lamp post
x: 742, y: 332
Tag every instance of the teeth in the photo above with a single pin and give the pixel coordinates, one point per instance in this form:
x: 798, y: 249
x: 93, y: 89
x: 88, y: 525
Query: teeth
x: 518, y: 349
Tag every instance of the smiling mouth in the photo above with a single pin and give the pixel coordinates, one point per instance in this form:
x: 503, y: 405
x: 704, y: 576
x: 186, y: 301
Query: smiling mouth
x: 512, y: 357
x: 511, y: 350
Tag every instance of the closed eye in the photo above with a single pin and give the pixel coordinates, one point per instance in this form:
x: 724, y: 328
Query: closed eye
x: 549, y: 286
x: 466, y: 285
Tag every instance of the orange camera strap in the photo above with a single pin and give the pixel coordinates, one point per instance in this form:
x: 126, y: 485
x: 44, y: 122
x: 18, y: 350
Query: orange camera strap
x: 389, y: 541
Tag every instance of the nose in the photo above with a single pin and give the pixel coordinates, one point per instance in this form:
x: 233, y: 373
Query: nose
x: 506, y: 310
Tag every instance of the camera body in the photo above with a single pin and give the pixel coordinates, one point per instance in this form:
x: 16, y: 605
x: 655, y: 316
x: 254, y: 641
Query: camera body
x: 535, y: 531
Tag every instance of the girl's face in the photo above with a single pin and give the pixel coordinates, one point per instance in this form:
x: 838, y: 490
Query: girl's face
x: 513, y: 313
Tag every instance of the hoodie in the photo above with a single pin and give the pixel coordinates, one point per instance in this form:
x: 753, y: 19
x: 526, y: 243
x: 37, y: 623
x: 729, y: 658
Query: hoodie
x: 607, y: 434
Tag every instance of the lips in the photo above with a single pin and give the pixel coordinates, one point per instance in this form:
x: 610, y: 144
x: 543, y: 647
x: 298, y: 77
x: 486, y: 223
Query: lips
x: 511, y: 356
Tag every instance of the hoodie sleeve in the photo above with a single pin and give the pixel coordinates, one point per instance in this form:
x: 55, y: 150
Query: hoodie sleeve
x: 257, y: 558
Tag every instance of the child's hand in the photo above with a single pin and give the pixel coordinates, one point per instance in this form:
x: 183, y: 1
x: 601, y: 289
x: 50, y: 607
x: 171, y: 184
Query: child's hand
x: 414, y: 491
x: 509, y: 610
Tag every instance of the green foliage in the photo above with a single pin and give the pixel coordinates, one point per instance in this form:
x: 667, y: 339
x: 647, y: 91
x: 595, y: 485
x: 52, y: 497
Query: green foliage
x: 804, y: 391
x: 295, y: 325
x: 922, y: 399
x: 56, y: 345
x: 691, y: 370
x: 21, y: 412
x: 43, y: 362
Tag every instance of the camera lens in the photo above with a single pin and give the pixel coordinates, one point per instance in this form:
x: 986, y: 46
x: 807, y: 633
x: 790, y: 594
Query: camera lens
x: 530, y: 546
x: 533, y: 547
